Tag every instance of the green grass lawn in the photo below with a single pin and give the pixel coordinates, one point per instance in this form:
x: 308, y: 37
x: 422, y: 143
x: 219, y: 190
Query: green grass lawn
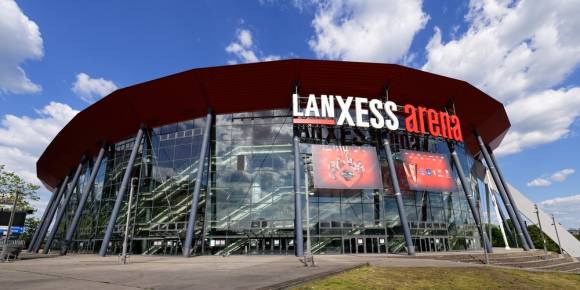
x: 445, y: 278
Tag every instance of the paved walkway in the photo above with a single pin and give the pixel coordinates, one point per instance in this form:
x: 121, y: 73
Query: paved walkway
x: 207, y: 272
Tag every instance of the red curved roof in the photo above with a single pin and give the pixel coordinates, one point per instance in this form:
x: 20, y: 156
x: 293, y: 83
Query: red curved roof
x: 260, y: 86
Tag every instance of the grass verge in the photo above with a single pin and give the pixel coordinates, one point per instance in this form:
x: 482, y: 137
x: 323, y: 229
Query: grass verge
x: 445, y: 278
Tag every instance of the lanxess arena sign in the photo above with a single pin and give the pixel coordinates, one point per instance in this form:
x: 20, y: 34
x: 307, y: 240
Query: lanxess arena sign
x: 336, y: 110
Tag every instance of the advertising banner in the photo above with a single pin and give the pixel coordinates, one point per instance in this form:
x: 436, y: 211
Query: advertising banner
x: 14, y: 230
x: 427, y: 171
x: 346, y: 167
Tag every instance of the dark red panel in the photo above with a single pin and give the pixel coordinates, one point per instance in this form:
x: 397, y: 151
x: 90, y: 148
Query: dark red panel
x: 260, y: 86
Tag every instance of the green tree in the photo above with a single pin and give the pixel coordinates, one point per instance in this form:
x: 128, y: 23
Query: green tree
x: 30, y: 225
x: 10, y: 183
x: 536, y: 237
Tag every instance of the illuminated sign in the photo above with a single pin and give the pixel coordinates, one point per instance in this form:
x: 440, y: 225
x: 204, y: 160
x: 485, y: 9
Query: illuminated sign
x: 439, y: 124
x: 427, y: 171
x: 346, y: 167
x: 374, y: 113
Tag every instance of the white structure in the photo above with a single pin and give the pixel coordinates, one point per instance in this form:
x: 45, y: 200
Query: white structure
x: 569, y: 243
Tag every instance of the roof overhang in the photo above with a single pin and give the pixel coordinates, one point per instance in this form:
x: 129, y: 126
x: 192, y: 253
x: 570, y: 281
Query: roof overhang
x: 262, y: 86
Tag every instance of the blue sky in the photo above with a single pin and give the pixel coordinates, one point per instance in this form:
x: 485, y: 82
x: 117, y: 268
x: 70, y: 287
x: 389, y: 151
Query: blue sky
x: 524, y: 55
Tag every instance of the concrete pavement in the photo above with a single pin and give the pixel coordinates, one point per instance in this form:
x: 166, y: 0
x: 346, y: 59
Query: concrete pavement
x: 206, y: 272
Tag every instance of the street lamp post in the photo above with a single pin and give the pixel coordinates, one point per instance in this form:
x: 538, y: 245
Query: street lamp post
x: 541, y: 232
x: 557, y: 235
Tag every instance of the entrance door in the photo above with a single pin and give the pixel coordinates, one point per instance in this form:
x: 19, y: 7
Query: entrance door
x: 375, y: 245
x: 364, y: 245
x: 351, y: 245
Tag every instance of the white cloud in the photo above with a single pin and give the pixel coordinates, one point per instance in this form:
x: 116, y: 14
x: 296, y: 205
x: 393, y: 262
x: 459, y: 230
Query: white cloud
x: 22, y: 139
x: 548, y: 179
x: 564, y: 209
x: 91, y: 89
x: 518, y: 52
x: 20, y: 40
x: 245, y: 51
x: 540, y: 181
x: 379, y: 30
x: 540, y: 118
x: 561, y: 175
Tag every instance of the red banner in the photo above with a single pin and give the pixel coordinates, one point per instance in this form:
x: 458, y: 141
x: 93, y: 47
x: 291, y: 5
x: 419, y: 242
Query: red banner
x: 346, y: 167
x: 427, y: 171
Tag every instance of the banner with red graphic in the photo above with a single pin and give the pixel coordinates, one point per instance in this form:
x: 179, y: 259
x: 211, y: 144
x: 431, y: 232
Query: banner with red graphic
x: 346, y: 167
x: 427, y: 171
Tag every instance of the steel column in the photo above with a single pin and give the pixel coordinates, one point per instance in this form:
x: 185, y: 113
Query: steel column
x: 41, y: 223
x: 509, y: 195
x: 502, y: 191
x: 469, y: 197
x: 298, y: 235
x: 82, y: 201
x: 121, y: 194
x: 4, y: 255
x: 50, y: 216
x: 398, y: 196
x: 195, y: 198
x: 62, y: 210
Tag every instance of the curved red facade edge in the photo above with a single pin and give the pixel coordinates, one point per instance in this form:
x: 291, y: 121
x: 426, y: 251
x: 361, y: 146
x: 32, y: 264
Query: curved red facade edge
x: 261, y: 86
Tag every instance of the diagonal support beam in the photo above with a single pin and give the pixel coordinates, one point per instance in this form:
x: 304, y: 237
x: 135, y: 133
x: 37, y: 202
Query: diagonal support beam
x: 62, y: 210
x: 50, y: 216
x: 502, y: 192
x: 121, y: 193
x: 42, y: 220
x: 398, y: 197
x: 82, y: 201
x: 195, y: 198
x: 509, y: 196
x: 469, y: 197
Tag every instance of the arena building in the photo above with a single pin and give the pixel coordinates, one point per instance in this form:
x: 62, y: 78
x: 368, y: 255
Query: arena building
x: 230, y: 160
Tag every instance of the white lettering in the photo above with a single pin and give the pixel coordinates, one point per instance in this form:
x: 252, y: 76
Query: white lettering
x: 360, y: 112
x: 378, y: 122
x: 344, y: 114
x: 311, y: 107
x: 327, y: 106
x: 295, y: 107
x: 393, y: 122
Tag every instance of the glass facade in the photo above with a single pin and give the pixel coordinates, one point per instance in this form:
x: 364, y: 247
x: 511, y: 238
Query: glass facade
x: 246, y: 201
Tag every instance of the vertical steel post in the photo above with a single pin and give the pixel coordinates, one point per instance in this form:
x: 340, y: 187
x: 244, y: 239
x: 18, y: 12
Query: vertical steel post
x: 509, y: 196
x: 488, y: 208
x: 557, y: 235
x: 126, y: 237
x: 398, y: 196
x: 308, y: 256
x: 469, y: 197
x: 298, y: 238
x: 42, y: 220
x: 121, y: 193
x: 62, y: 211
x: 4, y: 254
x: 502, y: 191
x: 82, y: 201
x: 541, y: 232
x: 50, y: 216
x: 195, y: 198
